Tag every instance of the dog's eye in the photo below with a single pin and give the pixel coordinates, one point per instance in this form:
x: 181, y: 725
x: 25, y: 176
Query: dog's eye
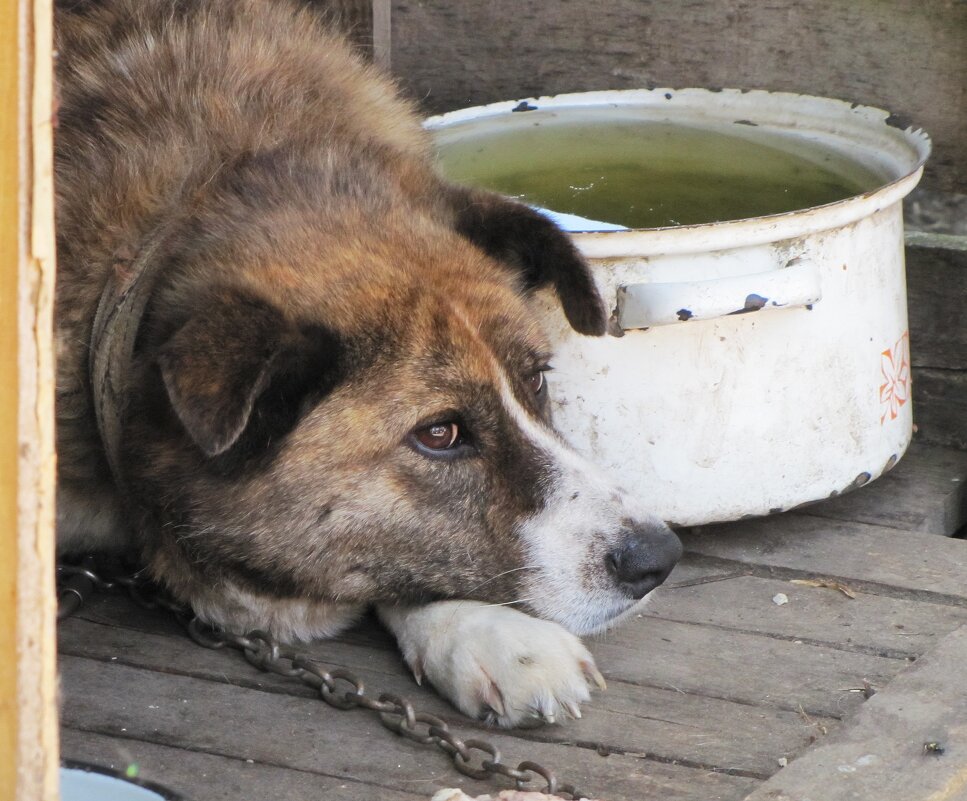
x: 536, y: 382
x: 438, y: 437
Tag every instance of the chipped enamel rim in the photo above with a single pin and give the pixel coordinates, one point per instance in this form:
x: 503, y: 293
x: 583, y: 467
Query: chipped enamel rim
x: 871, y: 136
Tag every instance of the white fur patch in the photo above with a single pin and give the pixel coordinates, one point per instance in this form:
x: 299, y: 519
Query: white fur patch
x: 494, y: 662
x: 287, y: 619
x: 569, y: 538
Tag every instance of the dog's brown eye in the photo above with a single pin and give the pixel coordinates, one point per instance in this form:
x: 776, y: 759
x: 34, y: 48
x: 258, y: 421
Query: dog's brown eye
x: 438, y: 437
x: 536, y: 382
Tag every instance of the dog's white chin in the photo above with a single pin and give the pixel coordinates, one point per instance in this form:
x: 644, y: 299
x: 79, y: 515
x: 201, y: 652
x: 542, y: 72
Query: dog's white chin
x: 594, y: 616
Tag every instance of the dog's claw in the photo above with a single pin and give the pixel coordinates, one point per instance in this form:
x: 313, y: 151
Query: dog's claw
x: 494, y: 699
x: 592, y: 672
x: 416, y: 668
x: 572, y: 709
x: 541, y: 713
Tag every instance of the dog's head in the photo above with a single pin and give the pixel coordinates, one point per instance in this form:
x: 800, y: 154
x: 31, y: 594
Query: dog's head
x: 362, y: 415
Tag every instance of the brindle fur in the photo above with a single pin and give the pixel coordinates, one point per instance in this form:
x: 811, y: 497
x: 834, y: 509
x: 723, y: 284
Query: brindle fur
x: 321, y: 294
x: 315, y: 243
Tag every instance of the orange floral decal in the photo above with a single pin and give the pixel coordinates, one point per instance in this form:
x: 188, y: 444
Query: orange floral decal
x: 895, y: 389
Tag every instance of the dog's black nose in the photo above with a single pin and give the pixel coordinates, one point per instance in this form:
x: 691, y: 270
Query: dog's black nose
x: 643, y: 559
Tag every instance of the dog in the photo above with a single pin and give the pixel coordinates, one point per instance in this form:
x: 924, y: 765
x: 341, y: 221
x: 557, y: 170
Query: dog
x: 298, y: 372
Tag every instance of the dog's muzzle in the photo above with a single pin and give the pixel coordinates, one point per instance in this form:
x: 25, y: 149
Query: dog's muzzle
x: 643, y: 558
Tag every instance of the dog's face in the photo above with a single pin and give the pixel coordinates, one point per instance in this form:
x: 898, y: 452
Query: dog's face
x: 378, y: 435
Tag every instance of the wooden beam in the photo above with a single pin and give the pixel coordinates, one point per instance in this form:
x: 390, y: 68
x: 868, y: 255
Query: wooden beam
x: 28, y: 717
x: 9, y: 236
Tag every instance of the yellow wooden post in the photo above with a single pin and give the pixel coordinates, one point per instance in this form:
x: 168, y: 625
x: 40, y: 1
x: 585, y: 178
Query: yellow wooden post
x: 9, y: 234
x: 28, y: 713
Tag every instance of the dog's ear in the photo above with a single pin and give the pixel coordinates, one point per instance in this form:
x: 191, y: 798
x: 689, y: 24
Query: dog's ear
x: 516, y: 235
x: 217, y: 364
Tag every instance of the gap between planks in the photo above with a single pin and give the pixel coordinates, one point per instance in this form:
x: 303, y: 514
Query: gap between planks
x: 735, y: 598
x: 286, y: 731
x: 695, y: 661
x: 873, y: 588
x: 667, y: 726
x: 883, y: 560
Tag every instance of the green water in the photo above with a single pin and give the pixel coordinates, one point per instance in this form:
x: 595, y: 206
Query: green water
x: 649, y: 174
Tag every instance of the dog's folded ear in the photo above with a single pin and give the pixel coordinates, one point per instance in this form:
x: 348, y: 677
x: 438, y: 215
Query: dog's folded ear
x: 217, y: 364
x: 525, y: 239
x: 237, y: 365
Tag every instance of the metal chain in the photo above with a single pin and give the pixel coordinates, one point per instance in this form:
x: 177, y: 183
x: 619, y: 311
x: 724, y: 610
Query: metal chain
x: 339, y: 688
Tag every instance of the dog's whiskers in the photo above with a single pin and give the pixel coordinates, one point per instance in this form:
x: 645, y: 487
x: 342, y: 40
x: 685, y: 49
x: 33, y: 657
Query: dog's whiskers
x: 504, y: 573
x: 510, y: 603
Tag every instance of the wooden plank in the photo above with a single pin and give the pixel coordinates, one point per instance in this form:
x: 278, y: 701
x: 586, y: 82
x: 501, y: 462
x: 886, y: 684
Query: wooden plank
x: 872, y: 559
x: 665, y: 724
x: 28, y: 715
x: 926, y: 492
x: 37, y: 597
x: 882, y: 754
x: 298, y: 733
x: 733, y: 665
x: 931, y: 216
x: 940, y: 406
x: 936, y: 259
x: 695, y: 660
x: 936, y: 288
x: 891, y: 54
x: 206, y: 777
x: 868, y: 623
x: 9, y: 395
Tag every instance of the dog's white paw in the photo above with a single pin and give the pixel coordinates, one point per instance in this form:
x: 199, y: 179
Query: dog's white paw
x: 495, y: 663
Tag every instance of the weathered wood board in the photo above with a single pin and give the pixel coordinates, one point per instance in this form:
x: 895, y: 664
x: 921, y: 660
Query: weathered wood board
x: 933, y: 482
x: 940, y: 405
x: 689, y: 728
x: 692, y: 658
x: 867, y: 558
x: 936, y: 293
x: 224, y: 778
x: 905, y: 56
x: 908, y: 742
x: 819, y: 615
x: 307, y: 736
x: 929, y: 215
x: 28, y: 675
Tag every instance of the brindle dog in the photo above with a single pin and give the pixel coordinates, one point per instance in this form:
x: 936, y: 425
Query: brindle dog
x: 334, y: 395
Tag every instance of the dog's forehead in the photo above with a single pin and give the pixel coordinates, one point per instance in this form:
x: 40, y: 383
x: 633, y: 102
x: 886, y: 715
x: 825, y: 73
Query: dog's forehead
x: 450, y: 350
x: 481, y: 329
x: 457, y: 353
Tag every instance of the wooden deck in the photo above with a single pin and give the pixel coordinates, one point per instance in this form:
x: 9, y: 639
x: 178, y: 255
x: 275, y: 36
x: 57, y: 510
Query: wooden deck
x: 711, y: 690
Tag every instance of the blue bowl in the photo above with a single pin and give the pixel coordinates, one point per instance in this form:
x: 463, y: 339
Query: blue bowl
x: 82, y: 782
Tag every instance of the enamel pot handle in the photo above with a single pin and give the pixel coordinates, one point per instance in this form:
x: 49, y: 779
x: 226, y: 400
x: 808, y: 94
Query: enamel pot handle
x: 648, y: 305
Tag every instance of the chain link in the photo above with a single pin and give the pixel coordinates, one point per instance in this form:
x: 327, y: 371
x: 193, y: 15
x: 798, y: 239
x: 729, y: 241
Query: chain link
x: 341, y: 689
